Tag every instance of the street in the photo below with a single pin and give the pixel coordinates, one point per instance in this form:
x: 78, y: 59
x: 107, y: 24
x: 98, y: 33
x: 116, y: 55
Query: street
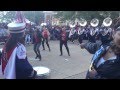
x: 62, y: 67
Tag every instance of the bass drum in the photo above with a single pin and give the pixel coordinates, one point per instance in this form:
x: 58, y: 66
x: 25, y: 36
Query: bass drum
x: 42, y: 72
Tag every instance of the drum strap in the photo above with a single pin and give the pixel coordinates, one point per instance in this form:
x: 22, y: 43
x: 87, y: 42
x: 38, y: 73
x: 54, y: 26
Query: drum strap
x: 98, y: 55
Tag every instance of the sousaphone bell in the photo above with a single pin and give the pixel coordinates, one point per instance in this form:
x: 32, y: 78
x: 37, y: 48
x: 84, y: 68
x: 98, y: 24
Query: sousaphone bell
x: 107, y: 22
x: 94, y: 22
x: 72, y: 25
x: 83, y: 22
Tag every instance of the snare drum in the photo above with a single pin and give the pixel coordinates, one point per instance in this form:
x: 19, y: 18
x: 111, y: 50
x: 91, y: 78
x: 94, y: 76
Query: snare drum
x: 42, y: 72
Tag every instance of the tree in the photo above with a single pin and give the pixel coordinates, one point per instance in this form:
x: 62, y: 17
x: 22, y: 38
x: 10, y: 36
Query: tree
x: 34, y: 16
x: 88, y: 15
x: 7, y: 16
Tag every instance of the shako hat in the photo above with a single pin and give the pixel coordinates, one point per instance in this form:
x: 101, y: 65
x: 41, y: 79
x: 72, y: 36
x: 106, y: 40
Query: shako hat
x: 18, y: 25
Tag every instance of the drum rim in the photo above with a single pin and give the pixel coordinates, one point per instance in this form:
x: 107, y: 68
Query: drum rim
x: 42, y: 74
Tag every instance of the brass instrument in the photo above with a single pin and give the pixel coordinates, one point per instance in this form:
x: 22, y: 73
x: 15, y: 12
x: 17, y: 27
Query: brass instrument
x: 94, y: 22
x: 107, y: 22
x: 83, y: 22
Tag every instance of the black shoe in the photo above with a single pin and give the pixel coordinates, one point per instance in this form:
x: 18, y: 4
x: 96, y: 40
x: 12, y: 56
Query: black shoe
x: 43, y: 49
x: 60, y: 54
x: 36, y: 57
x: 68, y: 54
x: 39, y: 57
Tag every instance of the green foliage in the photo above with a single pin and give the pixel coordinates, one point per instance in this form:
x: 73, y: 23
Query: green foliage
x: 34, y: 16
x: 38, y: 16
x: 8, y: 17
x: 88, y: 15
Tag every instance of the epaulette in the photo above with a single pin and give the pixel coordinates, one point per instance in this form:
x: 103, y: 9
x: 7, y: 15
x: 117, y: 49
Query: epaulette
x: 21, y: 51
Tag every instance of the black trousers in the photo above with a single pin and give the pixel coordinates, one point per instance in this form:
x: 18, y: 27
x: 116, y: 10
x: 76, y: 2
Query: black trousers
x: 45, y: 40
x: 65, y: 44
x: 80, y: 38
x: 36, y: 49
x: 72, y: 38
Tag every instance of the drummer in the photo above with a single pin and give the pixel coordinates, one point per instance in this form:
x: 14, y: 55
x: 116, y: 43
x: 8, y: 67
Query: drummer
x: 15, y: 63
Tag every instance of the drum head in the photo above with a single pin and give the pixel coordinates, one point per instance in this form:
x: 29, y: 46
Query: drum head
x: 41, y: 70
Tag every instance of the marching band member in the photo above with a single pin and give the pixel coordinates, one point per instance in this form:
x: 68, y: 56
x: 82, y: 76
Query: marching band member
x: 71, y: 33
x: 46, y: 35
x: 14, y: 59
x: 63, y: 40
x: 76, y: 35
x: 105, y: 35
x: 85, y: 33
x: 81, y: 31
x: 81, y: 34
x: 37, y: 40
x: 68, y: 31
x: 92, y: 35
x: 77, y: 25
x: 110, y: 31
